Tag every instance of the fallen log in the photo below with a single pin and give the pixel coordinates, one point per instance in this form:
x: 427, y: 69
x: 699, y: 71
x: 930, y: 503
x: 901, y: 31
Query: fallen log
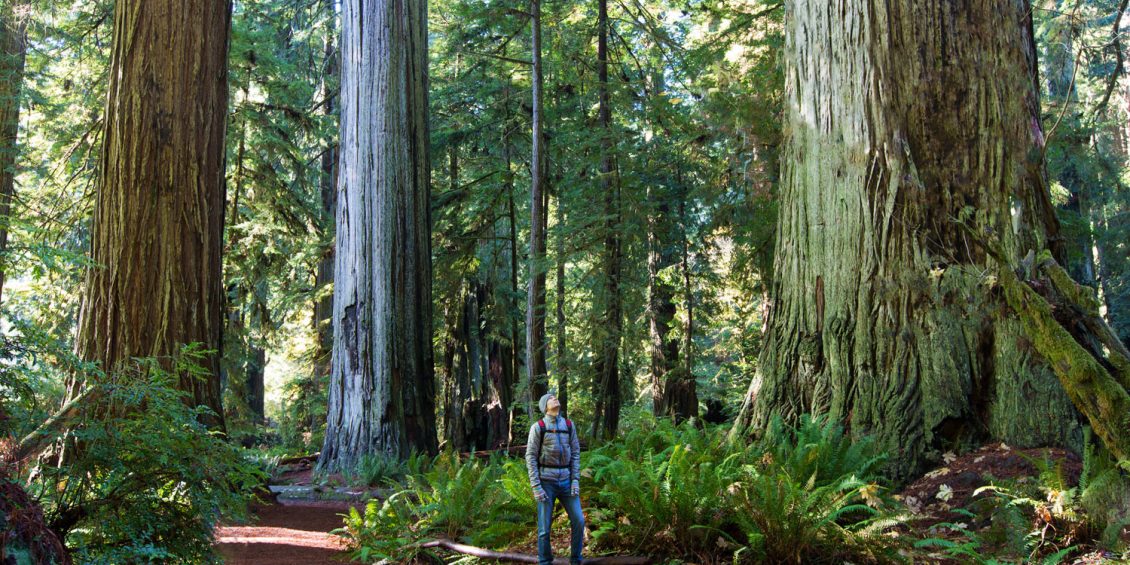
x: 525, y: 558
x: 299, y: 459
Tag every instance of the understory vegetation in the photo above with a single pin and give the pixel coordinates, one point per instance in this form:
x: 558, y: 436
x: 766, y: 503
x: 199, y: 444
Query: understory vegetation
x: 803, y: 494
x: 691, y: 220
x: 673, y: 492
x: 129, y: 474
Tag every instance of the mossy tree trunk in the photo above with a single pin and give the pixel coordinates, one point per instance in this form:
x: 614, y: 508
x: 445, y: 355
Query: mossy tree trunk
x: 13, y: 53
x: 382, y: 389
x: 157, y: 231
x: 907, y: 119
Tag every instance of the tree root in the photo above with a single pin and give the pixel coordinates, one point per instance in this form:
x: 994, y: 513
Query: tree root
x: 525, y: 558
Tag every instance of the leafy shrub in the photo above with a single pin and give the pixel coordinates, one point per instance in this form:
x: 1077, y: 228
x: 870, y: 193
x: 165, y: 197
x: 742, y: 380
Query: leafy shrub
x: 1105, y: 495
x: 141, y: 479
x: 818, y: 448
x: 669, y: 491
x: 800, y: 521
x: 375, y: 470
x: 436, y: 502
x: 800, y: 494
x: 668, y: 485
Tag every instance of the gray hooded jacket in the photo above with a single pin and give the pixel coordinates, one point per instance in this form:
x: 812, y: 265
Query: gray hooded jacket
x: 561, y: 450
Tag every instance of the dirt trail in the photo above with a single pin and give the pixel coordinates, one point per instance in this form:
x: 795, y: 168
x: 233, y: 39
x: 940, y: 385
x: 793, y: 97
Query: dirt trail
x: 295, y: 533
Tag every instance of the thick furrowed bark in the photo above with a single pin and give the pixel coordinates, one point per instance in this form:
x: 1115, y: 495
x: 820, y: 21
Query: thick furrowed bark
x: 13, y: 52
x: 905, y: 119
x: 381, y: 397
x: 157, y: 231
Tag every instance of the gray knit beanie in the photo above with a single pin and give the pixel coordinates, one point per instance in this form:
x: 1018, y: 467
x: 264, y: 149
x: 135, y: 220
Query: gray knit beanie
x: 544, y: 401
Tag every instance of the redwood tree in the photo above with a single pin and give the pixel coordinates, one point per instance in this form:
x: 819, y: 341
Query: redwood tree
x: 381, y: 397
x: 914, y: 139
x: 157, y: 232
x: 13, y: 53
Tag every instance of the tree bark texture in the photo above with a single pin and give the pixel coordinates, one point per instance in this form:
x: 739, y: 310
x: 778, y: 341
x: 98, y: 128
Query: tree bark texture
x: 157, y: 231
x: 382, y: 390
x: 907, y: 119
x: 607, y: 393
x: 535, y: 300
x: 13, y: 51
x: 477, y: 386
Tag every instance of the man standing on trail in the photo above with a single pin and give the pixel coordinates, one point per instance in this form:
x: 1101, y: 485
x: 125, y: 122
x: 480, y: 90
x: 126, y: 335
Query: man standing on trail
x: 553, y: 458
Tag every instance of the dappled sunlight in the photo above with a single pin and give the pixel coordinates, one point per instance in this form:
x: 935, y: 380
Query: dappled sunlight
x: 278, y: 536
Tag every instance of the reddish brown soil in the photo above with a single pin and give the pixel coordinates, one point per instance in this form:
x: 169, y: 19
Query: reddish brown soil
x: 991, y: 464
x: 285, y: 534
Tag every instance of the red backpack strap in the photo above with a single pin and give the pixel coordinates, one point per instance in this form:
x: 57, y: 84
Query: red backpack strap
x: 569, y: 425
x: 541, y: 424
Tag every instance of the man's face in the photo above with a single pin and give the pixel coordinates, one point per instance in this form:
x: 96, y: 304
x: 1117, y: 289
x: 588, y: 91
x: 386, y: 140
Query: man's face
x: 552, y: 404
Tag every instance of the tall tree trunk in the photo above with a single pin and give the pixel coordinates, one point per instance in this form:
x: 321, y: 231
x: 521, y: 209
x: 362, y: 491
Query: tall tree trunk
x: 561, y: 359
x: 515, y: 345
x: 606, y: 417
x: 382, y: 390
x: 535, y: 300
x: 907, y: 119
x: 679, y: 389
x: 685, y: 396
x: 664, y: 352
x: 157, y: 231
x: 323, y: 307
x: 13, y: 50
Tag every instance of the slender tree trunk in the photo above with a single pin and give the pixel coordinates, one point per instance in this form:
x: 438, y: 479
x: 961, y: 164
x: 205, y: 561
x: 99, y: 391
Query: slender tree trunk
x: 535, y: 307
x: 382, y: 389
x: 13, y: 50
x: 515, y: 355
x: 157, y: 231
x: 907, y: 119
x: 606, y: 418
x: 663, y: 346
x: 685, y: 397
x: 323, y: 307
x: 561, y: 359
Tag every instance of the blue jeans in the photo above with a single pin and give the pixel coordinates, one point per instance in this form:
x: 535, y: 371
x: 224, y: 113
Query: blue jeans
x: 559, y: 490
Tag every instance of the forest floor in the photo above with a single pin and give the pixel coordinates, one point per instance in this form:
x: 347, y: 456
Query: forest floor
x: 286, y: 533
x: 945, y: 504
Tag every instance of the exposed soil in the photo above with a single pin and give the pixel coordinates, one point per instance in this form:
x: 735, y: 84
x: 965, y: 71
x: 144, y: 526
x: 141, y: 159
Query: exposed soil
x: 287, y: 533
x: 935, y: 496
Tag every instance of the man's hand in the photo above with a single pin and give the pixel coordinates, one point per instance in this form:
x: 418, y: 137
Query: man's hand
x: 575, y: 488
x: 539, y: 495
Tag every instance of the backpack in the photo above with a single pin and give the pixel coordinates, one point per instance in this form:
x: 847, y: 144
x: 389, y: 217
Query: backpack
x: 541, y: 443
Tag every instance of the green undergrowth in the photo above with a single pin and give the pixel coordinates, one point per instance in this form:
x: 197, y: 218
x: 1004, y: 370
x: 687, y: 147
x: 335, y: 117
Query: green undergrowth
x: 802, y: 494
x: 134, y: 476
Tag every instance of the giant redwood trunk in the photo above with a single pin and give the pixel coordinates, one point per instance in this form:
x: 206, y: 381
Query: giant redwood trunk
x: 13, y: 52
x: 157, y: 232
x: 381, y: 397
x: 913, y: 131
